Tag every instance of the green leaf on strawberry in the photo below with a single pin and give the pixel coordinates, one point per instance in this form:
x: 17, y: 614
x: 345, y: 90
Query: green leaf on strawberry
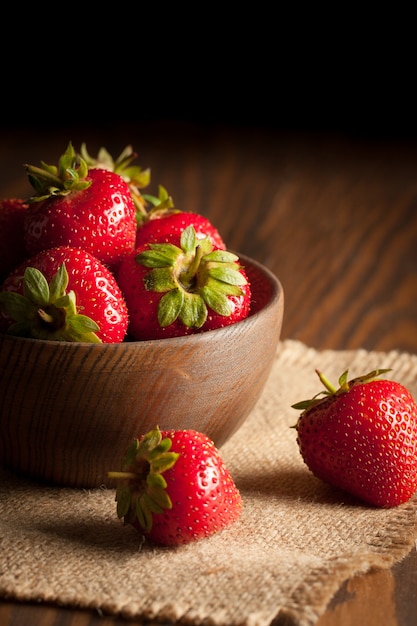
x: 143, y: 466
x: 160, y: 256
x: 344, y: 386
x: 47, y: 311
x: 122, y: 165
x: 135, y: 177
x: 51, y: 180
x: 162, y: 203
x: 192, y: 277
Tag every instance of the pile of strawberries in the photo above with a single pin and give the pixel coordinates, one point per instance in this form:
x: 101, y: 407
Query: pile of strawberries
x: 90, y: 257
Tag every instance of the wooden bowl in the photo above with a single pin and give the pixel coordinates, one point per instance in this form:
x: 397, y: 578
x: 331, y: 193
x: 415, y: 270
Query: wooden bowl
x: 68, y: 411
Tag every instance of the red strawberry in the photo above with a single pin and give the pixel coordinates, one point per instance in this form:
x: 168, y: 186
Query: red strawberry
x: 167, y: 228
x: 73, y: 206
x: 164, y: 224
x: 12, y: 245
x: 362, y: 438
x: 173, y: 290
x: 64, y: 294
x: 175, y: 488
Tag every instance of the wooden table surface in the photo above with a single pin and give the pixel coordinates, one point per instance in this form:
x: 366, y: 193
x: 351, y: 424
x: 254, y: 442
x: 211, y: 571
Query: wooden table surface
x: 333, y: 215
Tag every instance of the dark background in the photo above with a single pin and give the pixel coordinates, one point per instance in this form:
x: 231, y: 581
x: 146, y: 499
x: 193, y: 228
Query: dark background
x: 292, y: 69
x: 365, y: 104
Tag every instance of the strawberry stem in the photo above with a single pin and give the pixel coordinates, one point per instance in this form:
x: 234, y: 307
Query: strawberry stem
x: 326, y: 382
x: 187, y: 276
x: 45, y: 317
x: 47, y: 177
x: 127, y: 475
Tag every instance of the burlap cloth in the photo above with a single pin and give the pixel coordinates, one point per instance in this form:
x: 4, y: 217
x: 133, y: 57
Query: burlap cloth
x: 295, y: 544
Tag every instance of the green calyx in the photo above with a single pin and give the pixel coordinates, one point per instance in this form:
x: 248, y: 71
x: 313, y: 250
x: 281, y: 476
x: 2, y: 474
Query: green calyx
x: 192, y: 278
x: 132, y: 174
x: 162, y: 205
x: 330, y: 390
x: 51, y: 180
x: 141, y: 491
x: 47, y: 311
x: 135, y: 177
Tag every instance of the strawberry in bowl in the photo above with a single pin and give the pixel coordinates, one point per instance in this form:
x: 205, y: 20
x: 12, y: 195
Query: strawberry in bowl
x: 173, y: 290
x: 91, y: 209
x: 100, y: 339
x: 164, y: 223
x: 63, y: 294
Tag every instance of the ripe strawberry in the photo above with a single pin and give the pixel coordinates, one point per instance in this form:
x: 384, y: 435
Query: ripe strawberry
x: 12, y: 245
x: 174, y: 487
x: 164, y: 223
x: 173, y: 290
x: 73, y: 206
x: 362, y: 438
x: 63, y: 294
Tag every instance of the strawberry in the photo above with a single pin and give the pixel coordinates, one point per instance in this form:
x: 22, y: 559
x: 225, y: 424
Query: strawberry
x: 174, y: 487
x: 166, y: 228
x: 12, y: 246
x: 182, y: 288
x: 63, y: 294
x: 164, y: 224
x: 81, y: 208
x: 362, y: 438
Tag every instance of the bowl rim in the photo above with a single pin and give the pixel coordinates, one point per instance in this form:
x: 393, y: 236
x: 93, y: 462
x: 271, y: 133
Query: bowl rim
x: 277, y: 294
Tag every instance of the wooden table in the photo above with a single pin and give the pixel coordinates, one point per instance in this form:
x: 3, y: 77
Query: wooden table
x: 333, y: 215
